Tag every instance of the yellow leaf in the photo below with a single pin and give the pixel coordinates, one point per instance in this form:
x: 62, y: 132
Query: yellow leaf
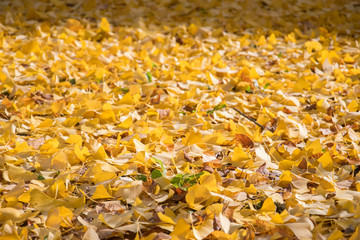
x: 239, y: 157
x: 101, y: 193
x: 21, y: 147
x: 130, y: 191
x: 127, y: 41
x: 126, y: 124
x: 103, y: 176
x: 59, y: 161
x: 181, y: 230
x: 336, y: 235
x: 101, y: 154
x: 56, y: 107
x: 282, y: 128
x: 307, y: 119
x: 15, y: 215
x: 192, y: 138
x: 43, y: 202
x: 105, y: 25
x: 18, y: 174
x: 348, y: 59
x: 251, y: 190
x: 356, y: 234
x: 347, y: 205
x: 326, y: 161
x: 268, y: 205
x: 74, y: 139
x: 46, y: 123
x: 78, y: 153
x: 115, y: 220
x: 261, y: 41
x: 313, y: 46
x: 285, y: 178
x: 100, y: 73
x: 253, y: 73
x: 215, y: 138
x: 57, y: 189
x: 313, y: 147
x: 31, y: 47
x: 209, y: 181
x: 107, y: 116
x: 272, y: 39
x: 93, y: 104
x: 353, y: 106
x: 196, y: 195
x: 220, y: 235
x: 60, y: 216
x: 277, y: 219
x: 301, y: 84
x: 203, y: 230
x: 25, y: 197
x: 214, y: 209
x: 165, y: 218
x: 192, y: 29
x: 71, y: 121
x: 74, y: 25
x: 129, y: 99
x: 291, y: 37
x: 2, y: 77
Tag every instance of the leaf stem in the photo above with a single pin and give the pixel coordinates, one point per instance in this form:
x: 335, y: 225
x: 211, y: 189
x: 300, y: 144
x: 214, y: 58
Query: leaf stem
x: 249, y: 118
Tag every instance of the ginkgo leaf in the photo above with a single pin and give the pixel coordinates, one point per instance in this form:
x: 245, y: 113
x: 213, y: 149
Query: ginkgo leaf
x: 203, y: 230
x: 326, y: 161
x: 165, y: 218
x: 60, y: 216
x: 268, y: 205
x: 181, y: 230
x: 104, y: 25
x: 75, y: 139
x: 285, y: 178
x: 101, y: 192
x: 239, y: 157
x: 209, y: 181
x: 197, y: 195
x: 116, y: 120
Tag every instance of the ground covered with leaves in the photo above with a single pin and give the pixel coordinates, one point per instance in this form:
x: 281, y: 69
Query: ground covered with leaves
x: 118, y: 121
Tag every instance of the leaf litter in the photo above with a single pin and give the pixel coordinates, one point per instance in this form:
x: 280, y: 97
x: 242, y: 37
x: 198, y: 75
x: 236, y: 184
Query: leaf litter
x: 121, y: 119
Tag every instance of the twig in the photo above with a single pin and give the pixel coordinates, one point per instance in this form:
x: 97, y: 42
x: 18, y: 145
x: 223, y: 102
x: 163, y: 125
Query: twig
x: 249, y: 118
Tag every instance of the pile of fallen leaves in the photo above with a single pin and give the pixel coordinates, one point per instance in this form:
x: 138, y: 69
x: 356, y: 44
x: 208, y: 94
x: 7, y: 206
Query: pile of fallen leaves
x: 118, y: 121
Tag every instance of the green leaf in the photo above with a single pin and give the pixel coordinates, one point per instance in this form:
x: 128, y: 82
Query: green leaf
x: 40, y: 177
x: 141, y: 177
x: 217, y: 107
x: 248, y: 89
x: 57, y: 174
x: 154, y: 65
x: 184, y: 181
x: 266, y: 86
x: 177, y: 181
x: 125, y: 90
x: 149, y: 76
x: 72, y: 81
x: 161, y: 165
x: 156, y: 174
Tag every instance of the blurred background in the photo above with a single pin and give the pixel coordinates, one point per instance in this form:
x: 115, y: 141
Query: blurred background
x: 341, y: 16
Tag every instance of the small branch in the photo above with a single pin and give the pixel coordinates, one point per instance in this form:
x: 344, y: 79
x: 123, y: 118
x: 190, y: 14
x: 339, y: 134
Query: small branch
x: 249, y: 118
